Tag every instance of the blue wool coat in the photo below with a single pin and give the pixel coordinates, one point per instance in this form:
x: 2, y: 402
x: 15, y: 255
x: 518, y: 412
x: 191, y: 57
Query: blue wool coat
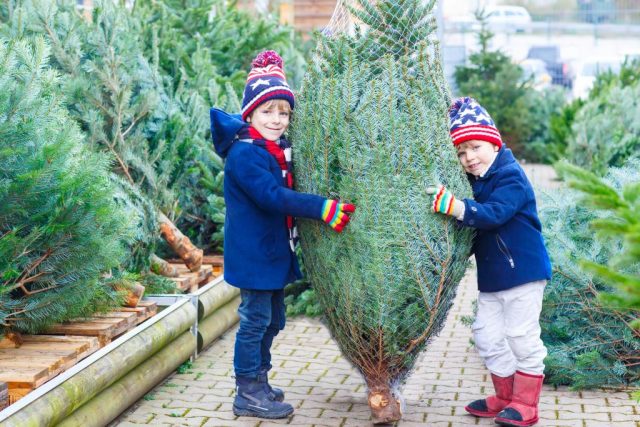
x: 508, y: 245
x: 257, y: 254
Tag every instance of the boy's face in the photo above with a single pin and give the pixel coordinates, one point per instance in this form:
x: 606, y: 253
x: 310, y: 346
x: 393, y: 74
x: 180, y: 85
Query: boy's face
x: 476, y: 156
x: 270, y: 119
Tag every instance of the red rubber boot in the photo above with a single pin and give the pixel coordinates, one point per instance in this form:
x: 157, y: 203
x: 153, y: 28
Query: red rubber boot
x: 489, y: 407
x: 523, y: 409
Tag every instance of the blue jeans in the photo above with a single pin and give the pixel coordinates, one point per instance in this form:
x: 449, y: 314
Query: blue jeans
x: 262, y: 316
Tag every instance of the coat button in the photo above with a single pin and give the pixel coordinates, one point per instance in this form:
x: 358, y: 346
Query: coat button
x: 474, y: 209
x: 471, y: 222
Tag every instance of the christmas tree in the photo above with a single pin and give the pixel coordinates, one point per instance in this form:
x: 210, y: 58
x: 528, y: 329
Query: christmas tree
x: 606, y: 131
x: 117, y: 97
x: 621, y: 226
x: 61, y: 226
x: 371, y: 128
x: 592, y: 341
x: 496, y: 82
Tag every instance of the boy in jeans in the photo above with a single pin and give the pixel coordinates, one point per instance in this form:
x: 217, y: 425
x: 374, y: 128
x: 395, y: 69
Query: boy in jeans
x: 259, y: 230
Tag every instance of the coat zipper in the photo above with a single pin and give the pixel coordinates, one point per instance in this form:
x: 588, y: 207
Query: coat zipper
x: 505, y: 250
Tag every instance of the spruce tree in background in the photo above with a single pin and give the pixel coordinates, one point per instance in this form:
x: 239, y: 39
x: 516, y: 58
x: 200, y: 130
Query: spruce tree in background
x: 621, y: 226
x: 61, y: 225
x: 371, y: 128
x: 204, y: 47
x: 607, y: 132
x: 119, y: 101
x: 606, y: 129
x: 496, y: 82
x: 208, y: 44
x: 591, y: 341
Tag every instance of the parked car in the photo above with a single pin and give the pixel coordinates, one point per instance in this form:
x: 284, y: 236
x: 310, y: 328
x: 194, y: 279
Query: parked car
x: 559, y: 69
x: 463, y: 23
x: 508, y: 18
x: 499, y: 19
x: 536, y: 71
x: 587, y: 71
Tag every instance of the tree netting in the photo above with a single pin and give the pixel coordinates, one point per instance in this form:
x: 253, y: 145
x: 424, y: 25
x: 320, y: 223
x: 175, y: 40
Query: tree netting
x: 371, y: 128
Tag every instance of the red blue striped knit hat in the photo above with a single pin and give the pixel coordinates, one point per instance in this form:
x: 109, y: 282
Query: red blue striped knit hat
x: 266, y: 81
x: 469, y: 120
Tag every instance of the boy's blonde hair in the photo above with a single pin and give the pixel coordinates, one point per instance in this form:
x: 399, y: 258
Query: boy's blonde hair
x: 279, y: 104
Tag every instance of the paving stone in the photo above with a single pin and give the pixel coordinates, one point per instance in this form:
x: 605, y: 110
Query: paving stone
x: 177, y: 421
x: 624, y: 416
x: 568, y: 415
x: 240, y: 422
x: 130, y: 423
x: 325, y: 422
x: 140, y: 419
x: 275, y: 423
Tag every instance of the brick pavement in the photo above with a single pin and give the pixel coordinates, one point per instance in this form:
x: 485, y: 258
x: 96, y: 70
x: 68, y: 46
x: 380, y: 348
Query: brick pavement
x: 326, y: 391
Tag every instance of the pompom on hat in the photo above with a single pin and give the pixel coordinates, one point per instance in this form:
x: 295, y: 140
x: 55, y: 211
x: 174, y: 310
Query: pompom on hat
x: 469, y: 120
x: 266, y: 81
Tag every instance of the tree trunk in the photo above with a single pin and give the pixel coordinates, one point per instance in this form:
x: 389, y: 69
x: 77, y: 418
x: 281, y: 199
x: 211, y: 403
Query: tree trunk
x: 133, y: 290
x: 134, y: 295
x: 385, y: 408
x: 15, y: 338
x: 181, y: 245
x: 162, y: 267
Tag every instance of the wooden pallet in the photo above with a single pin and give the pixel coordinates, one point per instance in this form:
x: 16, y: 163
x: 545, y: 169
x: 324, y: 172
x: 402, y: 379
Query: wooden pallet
x: 144, y: 310
x: 105, y: 327
x: 216, y: 262
x: 188, y: 281
x: 38, y: 359
x: 4, y: 395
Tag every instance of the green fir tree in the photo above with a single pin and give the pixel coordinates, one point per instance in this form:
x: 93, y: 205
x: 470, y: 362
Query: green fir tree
x: 62, y: 225
x: 371, y: 128
x: 591, y: 342
x: 118, y: 98
x: 622, y: 224
x: 606, y: 129
x: 496, y: 82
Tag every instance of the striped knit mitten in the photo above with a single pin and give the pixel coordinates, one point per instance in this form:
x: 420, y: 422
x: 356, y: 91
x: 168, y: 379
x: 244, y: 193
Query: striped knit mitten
x: 445, y: 202
x: 336, y: 214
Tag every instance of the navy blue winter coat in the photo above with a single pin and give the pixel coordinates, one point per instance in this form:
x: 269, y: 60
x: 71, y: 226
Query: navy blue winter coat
x: 257, y: 254
x: 508, y: 245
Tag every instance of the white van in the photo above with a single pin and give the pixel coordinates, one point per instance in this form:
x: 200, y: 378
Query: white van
x: 588, y: 69
x: 508, y: 19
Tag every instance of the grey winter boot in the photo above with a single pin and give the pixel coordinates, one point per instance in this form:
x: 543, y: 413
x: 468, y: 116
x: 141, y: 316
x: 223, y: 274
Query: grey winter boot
x: 254, y: 400
x: 276, y: 393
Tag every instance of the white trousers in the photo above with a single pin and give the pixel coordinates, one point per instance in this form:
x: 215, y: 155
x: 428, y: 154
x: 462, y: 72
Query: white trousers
x: 507, y: 330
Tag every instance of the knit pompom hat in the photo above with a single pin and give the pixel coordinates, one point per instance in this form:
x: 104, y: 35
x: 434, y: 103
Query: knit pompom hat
x: 266, y: 81
x: 469, y: 120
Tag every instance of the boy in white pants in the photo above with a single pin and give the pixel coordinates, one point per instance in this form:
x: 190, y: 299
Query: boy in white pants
x: 513, y: 265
